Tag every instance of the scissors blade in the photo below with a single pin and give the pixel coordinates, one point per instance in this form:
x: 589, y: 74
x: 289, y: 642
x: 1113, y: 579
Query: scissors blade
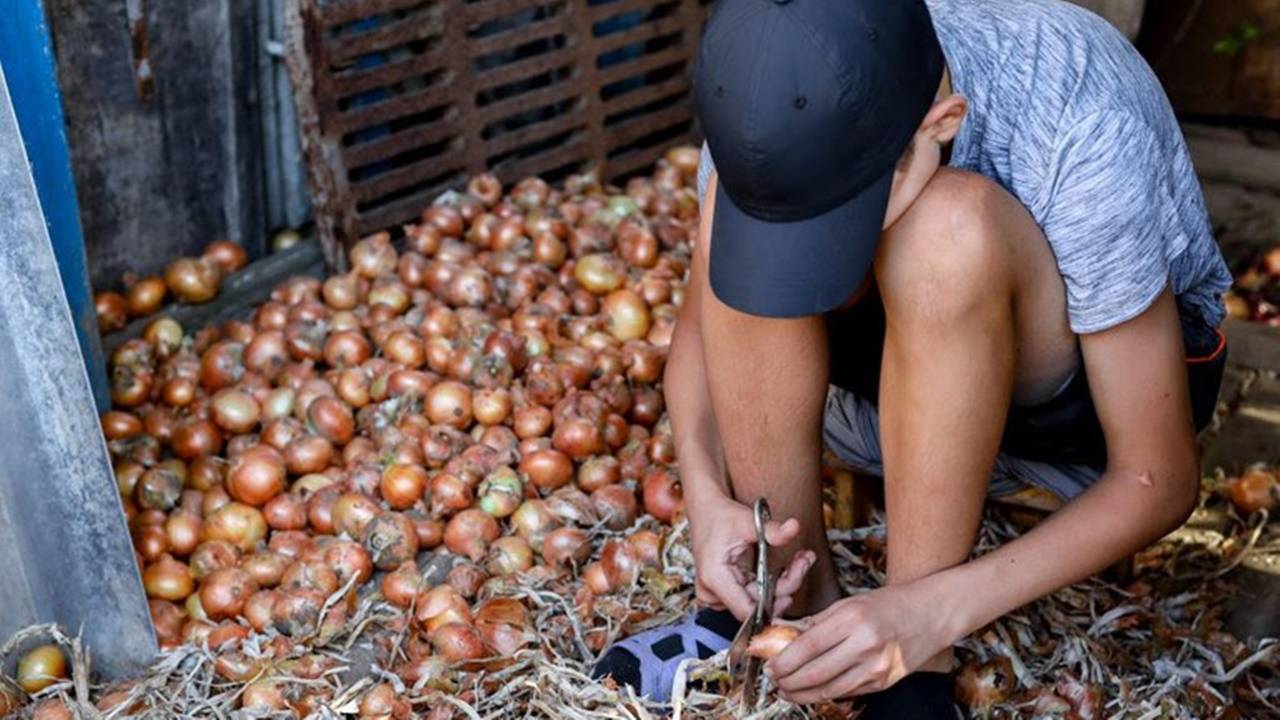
x: 751, y: 681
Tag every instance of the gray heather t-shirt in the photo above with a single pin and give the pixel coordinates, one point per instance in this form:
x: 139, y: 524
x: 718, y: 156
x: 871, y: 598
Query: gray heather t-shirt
x: 1067, y: 116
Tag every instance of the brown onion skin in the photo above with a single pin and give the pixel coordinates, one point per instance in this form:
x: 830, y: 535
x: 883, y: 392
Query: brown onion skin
x: 457, y: 641
x: 257, y: 475
x: 402, y: 485
x: 168, y: 579
x: 192, y: 280
x: 470, y: 532
x: 401, y: 585
x: 225, y: 591
x: 617, y: 506
x: 662, y: 495
x: 241, y: 525
x: 467, y: 578
x: 391, y: 540
x: 286, y: 511
x: 565, y: 546
x: 112, y: 311
x: 228, y: 256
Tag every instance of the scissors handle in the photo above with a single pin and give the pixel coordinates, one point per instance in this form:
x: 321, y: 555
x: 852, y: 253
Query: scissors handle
x: 764, y: 581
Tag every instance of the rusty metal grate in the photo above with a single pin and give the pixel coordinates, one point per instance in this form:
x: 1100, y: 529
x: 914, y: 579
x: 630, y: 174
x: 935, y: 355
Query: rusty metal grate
x: 399, y: 99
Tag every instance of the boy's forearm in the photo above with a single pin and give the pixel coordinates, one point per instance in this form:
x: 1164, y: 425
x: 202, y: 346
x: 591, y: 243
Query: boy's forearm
x: 1115, y: 518
x: 693, y: 422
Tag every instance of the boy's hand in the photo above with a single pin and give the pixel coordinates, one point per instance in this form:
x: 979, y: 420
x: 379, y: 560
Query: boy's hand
x: 860, y: 645
x: 724, y: 543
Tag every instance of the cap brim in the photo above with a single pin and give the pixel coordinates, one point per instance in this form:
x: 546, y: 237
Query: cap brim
x: 794, y: 269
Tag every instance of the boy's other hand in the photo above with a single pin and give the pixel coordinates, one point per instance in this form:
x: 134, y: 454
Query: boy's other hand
x: 724, y: 549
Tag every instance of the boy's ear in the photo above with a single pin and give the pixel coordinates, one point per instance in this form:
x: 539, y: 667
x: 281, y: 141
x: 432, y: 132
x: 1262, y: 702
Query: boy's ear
x: 942, y: 122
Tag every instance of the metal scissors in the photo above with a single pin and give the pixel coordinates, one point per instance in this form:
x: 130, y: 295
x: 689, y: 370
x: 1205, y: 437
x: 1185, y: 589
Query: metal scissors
x: 741, y: 665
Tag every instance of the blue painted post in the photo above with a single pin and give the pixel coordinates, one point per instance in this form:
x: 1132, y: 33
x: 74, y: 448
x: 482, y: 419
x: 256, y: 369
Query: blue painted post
x: 26, y: 55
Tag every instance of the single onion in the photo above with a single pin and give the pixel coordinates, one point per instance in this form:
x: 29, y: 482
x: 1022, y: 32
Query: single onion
x: 509, y: 555
x: 373, y: 256
x: 41, y: 667
x: 595, y: 579
x: 267, y: 568
x: 457, y: 641
x: 235, y: 411
x: 257, y: 475
x: 503, y: 623
x: 168, y: 579
x: 533, y: 520
x: 572, y: 505
x: 662, y: 495
x: 241, y: 525
x: 449, y: 494
x: 286, y: 511
x: 566, y: 545
x: 331, y: 419
x: 470, y: 532
x: 1257, y: 489
x: 648, y: 547
x: 349, y: 560
x: 401, y: 585
x: 146, y: 296
x: 212, y: 555
x: 978, y: 685
x: 600, y: 273
x: 449, y: 403
x: 597, y: 472
x: 620, y: 562
x: 297, y: 612
x: 440, y: 605
x: 352, y: 513
x: 184, y: 530
x: 617, y: 506
x: 309, y: 575
x: 626, y: 315
x: 112, y: 310
x: 771, y: 641
x: 402, y: 485
x: 226, y: 255
x: 391, y: 540
x: 430, y: 530
x: 467, y: 578
x: 224, y: 592
x: 501, y: 492
x: 165, y: 335
x: 192, y: 280
x: 532, y: 421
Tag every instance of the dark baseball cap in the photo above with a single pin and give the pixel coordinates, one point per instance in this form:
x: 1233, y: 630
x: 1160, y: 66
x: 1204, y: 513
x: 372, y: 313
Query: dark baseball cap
x: 806, y: 106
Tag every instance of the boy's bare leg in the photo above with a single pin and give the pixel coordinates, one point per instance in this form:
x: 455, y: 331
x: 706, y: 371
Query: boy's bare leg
x: 768, y: 383
x: 974, y: 308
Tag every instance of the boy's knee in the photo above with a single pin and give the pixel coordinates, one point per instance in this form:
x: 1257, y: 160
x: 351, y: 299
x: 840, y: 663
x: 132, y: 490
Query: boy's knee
x: 950, y: 250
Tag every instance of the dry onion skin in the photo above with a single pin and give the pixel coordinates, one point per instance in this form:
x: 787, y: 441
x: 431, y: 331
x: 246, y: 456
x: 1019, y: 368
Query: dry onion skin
x: 771, y: 641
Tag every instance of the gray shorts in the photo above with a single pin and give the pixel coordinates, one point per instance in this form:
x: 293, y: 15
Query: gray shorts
x: 851, y: 429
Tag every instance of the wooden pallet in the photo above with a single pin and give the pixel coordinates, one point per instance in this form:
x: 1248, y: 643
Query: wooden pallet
x: 400, y: 99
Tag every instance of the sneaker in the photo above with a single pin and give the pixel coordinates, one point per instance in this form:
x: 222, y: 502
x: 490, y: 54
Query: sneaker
x: 918, y: 696
x: 648, y: 661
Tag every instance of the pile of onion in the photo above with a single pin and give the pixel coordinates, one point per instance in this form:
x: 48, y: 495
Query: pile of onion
x: 189, y: 280
x: 484, y: 391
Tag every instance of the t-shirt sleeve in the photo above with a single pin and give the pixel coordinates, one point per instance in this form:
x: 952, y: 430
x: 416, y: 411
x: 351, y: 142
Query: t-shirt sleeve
x: 1106, y: 210
x: 705, y: 168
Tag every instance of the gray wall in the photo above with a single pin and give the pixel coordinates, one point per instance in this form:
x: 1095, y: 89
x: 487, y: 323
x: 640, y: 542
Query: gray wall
x: 161, y: 172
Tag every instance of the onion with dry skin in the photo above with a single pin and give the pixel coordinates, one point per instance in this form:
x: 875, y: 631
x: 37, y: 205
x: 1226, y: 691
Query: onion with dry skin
x: 470, y: 532
x: 771, y: 641
x: 41, y: 667
x: 193, y: 280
